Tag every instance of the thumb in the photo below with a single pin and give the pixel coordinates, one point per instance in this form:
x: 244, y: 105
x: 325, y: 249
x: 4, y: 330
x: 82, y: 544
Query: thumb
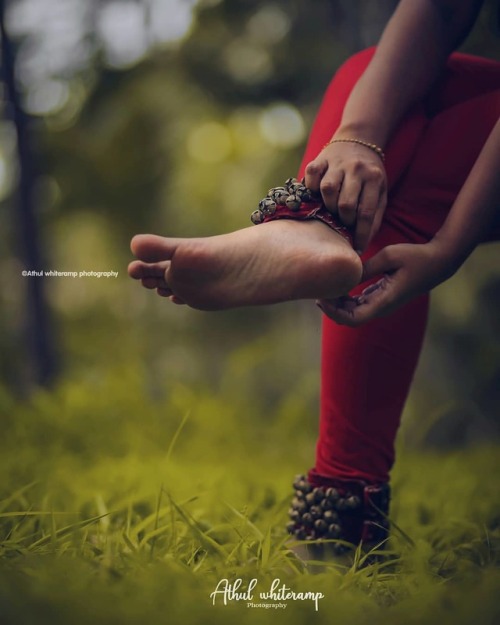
x: 381, y: 262
x: 373, y: 302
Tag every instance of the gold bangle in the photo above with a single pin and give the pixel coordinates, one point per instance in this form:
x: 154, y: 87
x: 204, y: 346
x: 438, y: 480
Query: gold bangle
x: 371, y: 146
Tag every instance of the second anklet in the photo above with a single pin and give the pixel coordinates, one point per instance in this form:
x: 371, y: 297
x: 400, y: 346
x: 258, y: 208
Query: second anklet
x: 350, y: 511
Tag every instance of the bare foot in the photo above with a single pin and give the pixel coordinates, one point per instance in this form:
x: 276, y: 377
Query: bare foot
x: 274, y: 262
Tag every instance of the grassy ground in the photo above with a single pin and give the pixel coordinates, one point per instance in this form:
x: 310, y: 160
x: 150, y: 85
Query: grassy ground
x: 116, y: 508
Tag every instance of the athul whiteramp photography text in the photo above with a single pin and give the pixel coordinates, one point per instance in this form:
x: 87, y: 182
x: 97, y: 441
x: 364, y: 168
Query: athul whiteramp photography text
x: 274, y: 597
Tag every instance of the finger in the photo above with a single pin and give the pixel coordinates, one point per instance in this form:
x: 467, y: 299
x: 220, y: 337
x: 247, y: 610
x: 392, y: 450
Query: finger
x: 342, y: 311
x: 314, y: 172
x: 365, y: 218
x: 383, y: 262
x: 349, y: 199
x: 379, y: 214
x: 331, y: 186
x: 376, y: 301
x: 379, y: 299
x: 369, y: 290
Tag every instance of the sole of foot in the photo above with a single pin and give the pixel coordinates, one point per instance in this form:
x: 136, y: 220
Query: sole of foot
x: 274, y: 262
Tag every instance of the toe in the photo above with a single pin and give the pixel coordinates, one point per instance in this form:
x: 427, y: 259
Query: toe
x: 164, y: 291
x: 138, y: 270
x: 177, y: 300
x: 155, y: 283
x: 152, y: 248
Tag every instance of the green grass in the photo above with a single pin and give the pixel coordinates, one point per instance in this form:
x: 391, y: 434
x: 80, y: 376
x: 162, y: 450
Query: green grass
x: 119, y: 508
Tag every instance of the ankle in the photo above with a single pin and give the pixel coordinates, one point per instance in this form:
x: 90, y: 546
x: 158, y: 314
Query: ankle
x: 347, y: 511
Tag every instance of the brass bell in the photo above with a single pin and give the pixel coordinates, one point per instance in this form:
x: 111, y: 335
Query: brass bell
x: 293, y: 203
x: 302, y: 484
x: 334, y: 530
x: 303, y: 194
x: 332, y: 494
x: 353, y: 502
x: 320, y: 527
x: 281, y: 198
x: 310, y: 498
x: 307, y: 519
x: 316, y: 512
x: 257, y: 217
x: 326, y: 504
x: 319, y: 494
x: 299, y: 505
x: 330, y: 516
x: 278, y: 194
x: 267, y: 206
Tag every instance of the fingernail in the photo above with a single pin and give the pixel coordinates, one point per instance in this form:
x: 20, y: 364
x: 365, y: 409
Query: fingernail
x: 372, y: 287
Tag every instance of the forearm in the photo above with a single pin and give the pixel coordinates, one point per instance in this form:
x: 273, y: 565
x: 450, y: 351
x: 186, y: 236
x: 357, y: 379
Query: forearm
x: 410, y: 56
x: 476, y: 205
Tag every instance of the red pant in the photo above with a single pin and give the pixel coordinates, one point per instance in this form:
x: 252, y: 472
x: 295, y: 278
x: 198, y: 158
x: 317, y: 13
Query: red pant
x: 367, y: 371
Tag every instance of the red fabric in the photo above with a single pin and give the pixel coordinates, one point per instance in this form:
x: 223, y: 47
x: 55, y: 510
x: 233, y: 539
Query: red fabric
x: 311, y: 210
x: 367, y: 371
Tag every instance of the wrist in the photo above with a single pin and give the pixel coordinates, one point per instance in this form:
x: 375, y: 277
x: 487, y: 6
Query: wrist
x: 370, y: 133
x: 371, y: 146
x: 447, y: 255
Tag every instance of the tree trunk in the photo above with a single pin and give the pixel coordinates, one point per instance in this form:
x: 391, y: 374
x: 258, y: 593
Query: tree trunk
x: 39, y: 345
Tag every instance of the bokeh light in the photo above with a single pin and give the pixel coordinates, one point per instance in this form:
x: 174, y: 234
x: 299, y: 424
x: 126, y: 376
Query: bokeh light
x: 121, y: 27
x: 47, y: 98
x: 170, y: 20
x: 269, y: 24
x: 247, y: 62
x: 282, y: 125
x: 209, y: 142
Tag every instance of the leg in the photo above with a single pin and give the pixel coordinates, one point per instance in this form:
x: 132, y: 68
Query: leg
x: 346, y: 435
x: 367, y: 371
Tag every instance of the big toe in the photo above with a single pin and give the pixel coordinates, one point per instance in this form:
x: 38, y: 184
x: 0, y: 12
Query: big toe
x: 151, y: 248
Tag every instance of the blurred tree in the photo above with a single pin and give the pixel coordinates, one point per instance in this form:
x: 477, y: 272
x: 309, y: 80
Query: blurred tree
x: 39, y: 345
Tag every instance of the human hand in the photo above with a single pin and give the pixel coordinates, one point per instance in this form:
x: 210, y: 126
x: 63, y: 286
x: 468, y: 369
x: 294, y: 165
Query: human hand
x: 353, y: 184
x: 408, y: 270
